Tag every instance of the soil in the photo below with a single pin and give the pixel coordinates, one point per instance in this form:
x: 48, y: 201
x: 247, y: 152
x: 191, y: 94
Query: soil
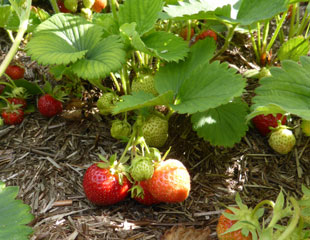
x: 47, y: 158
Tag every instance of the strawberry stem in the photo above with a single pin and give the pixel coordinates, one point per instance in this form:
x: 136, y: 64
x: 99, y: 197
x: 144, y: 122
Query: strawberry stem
x: 294, y: 221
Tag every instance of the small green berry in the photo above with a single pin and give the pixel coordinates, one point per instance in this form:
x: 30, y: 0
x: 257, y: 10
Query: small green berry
x: 282, y: 140
x: 120, y: 129
x: 142, y: 168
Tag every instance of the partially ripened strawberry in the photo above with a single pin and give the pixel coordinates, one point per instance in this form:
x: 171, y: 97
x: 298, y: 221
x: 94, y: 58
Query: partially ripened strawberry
x: 99, y: 5
x: 144, y: 83
x: 105, y: 183
x: 62, y: 7
x: 170, y: 182
x: 155, y: 130
x: 282, y: 140
x: 305, y: 127
x: 49, y: 106
x: 224, y: 224
x: 15, y: 72
x: 206, y: 33
x: 142, y: 195
x: 184, y: 31
x: 142, y: 168
x: 264, y: 122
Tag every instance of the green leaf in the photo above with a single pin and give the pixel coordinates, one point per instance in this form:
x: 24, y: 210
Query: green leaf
x: 76, y: 41
x: 32, y: 88
x: 200, y: 9
x: 105, y: 57
x: 251, y: 11
x: 5, y: 12
x: 294, y: 48
x: 166, y: 46
x: 13, y: 215
x: 172, y: 75
x: 143, y: 12
x: 288, y: 88
x: 107, y: 22
x: 222, y: 126
x: 270, y: 108
x: 142, y: 99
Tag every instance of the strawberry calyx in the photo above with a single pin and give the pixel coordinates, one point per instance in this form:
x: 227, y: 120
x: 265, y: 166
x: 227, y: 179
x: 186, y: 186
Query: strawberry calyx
x: 55, y: 92
x: 10, y: 107
x: 245, y: 219
x: 137, y: 191
x: 115, y: 167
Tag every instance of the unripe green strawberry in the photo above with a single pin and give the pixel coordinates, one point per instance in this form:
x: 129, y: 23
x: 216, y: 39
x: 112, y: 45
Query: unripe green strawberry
x: 88, y: 3
x: 86, y: 13
x: 305, y: 127
x: 282, y: 140
x: 142, y: 168
x: 144, y: 83
x: 120, y: 129
x: 155, y: 130
x: 71, y: 5
x: 106, y: 103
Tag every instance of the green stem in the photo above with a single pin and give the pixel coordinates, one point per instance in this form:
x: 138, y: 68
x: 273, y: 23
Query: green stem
x: 260, y: 204
x: 274, y: 36
x: 230, y: 34
x: 169, y: 25
x: 290, y: 228
x: 281, y: 33
x: 4, y: 99
x: 292, y: 24
x: 129, y: 144
x: 256, y: 51
x: 22, y: 29
x: 10, y: 35
x: 54, y: 6
x: 303, y: 23
x: 115, y: 82
x: 265, y: 36
x: 259, y: 43
x: 189, y: 30
x: 113, y: 7
x: 140, y: 58
x: 124, y: 79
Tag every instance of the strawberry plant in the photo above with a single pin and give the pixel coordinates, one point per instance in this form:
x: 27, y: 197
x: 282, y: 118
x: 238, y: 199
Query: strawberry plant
x: 14, y: 215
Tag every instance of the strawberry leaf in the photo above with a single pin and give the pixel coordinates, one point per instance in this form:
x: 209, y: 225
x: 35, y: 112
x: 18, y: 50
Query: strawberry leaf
x: 142, y: 99
x: 5, y: 11
x: 79, y: 43
x: 143, y: 12
x: 166, y: 46
x: 288, y: 88
x: 222, y: 126
x: 14, y: 215
x: 294, y: 48
x: 200, y: 9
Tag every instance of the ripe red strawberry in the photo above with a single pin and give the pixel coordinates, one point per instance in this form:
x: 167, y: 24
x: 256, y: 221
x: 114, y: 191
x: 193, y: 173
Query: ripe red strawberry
x: 184, y: 31
x: 102, y: 185
x: 49, y: 106
x: 143, y: 195
x: 170, y: 181
x: 15, y: 72
x: 206, y: 33
x: 99, y: 5
x: 264, y: 122
x: 62, y: 7
x: 15, y: 100
x: 13, y: 116
x: 224, y: 224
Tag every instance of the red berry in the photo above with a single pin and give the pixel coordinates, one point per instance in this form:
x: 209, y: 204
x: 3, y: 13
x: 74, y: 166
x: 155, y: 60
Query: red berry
x: 264, y: 122
x: 15, y: 72
x: 224, y: 224
x: 102, y: 187
x: 49, y: 106
x: 170, y: 181
x: 13, y: 117
x: 206, y: 33
x: 184, y: 31
x: 18, y: 101
x: 62, y: 7
x: 147, y: 198
x: 99, y: 5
